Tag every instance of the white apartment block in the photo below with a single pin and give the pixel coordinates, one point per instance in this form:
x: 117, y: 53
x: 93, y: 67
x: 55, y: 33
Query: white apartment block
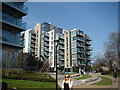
x: 73, y: 51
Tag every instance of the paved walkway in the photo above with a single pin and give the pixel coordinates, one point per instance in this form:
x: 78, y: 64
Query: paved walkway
x: 80, y: 84
x: 114, y: 85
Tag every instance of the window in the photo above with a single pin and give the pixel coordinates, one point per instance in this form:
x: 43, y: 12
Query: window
x: 73, y: 33
x: 58, y: 31
x: 52, y: 38
x: 74, y: 56
x: 74, y: 38
x: 73, y: 62
x: 73, y: 44
x: 74, y: 49
x: 51, y: 47
x: 52, y: 33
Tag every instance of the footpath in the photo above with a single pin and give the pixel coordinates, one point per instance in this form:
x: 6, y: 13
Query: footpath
x: 86, y: 83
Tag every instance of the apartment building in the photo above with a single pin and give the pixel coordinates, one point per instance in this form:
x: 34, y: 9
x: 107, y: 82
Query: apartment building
x: 12, y: 25
x: 80, y: 50
x: 73, y: 51
x: 28, y: 40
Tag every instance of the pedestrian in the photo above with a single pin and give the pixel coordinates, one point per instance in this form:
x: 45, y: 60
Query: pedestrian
x: 115, y: 75
x: 67, y: 83
x: 4, y: 86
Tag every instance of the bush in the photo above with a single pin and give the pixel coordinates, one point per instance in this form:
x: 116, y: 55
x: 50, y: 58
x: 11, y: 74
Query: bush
x: 28, y: 75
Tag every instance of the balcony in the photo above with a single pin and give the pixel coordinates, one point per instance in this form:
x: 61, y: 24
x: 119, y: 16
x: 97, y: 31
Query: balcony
x: 61, y: 48
x: 80, y: 40
x: 46, y: 49
x: 61, y: 53
x: 89, y: 58
x: 61, y: 37
x: 80, y: 51
x: 88, y: 53
x: 32, y: 46
x: 81, y: 63
x: 88, y: 38
x: 61, y: 42
x: 15, y: 27
x: 89, y: 48
x: 80, y: 57
x: 45, y: 39
x: 32, y: 50
x: 33, y: 41
x: 46, y: 34
x: 88, y: 43
x: 33, y: 37
x: 79, y: 33
x: 46, y: 54
x: 13, y: 44
x: 80, y: 45
x: 61, y: 58
x: 22, y: 35
x: 47, y: 45
x: 19, y: 8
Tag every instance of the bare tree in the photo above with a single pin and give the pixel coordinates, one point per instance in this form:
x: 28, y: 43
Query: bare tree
x: 99, y: 63
x: 111, y: 50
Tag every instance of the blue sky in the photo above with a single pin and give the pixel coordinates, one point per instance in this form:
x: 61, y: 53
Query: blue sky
x: 97, y: 19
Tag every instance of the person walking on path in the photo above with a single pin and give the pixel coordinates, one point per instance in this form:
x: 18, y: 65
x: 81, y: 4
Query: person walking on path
x: 67, y: 83
x: 115, y: 75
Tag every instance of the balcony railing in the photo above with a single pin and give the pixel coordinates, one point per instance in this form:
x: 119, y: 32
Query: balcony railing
x: 80, y: 33
x: 60, y: 47
x: 80, y: 51
x: 46, y: 39
x: 88, y: 43
x: 46, y: 44
x: 46, y: 49
x: 19, y: 25
x: 89, y: 58
x: 89, y: 48
x: 22, y: 8
x: 80, y: 39
x: 89, y: 53
x: 80, y: 45
x: 89, y: 38
x: 61, y: 42
x: 46, y: 34
x: 61, y: 36
x: 33, y: 37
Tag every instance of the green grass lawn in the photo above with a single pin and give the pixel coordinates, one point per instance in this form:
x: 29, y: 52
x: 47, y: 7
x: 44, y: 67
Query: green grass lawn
x: 104, y: 81
x: 84, y: 77
x: 28, y: 84
x: 108, y: 74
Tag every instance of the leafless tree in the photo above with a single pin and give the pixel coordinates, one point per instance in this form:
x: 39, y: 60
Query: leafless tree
x: 111, y: 50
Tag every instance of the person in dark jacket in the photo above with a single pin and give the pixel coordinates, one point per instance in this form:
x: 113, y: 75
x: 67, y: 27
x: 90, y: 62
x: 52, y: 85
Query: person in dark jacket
x: 115, y: 75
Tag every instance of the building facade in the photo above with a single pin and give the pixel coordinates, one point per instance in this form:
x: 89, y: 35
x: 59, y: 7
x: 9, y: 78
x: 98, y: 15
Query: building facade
x: 12, y: 25
x: 73, y: 51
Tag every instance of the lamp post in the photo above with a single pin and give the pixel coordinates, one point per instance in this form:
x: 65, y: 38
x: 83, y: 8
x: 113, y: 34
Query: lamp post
x: 56, y: 64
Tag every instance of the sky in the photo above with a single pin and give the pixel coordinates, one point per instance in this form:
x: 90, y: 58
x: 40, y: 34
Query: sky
x: 97, y: 19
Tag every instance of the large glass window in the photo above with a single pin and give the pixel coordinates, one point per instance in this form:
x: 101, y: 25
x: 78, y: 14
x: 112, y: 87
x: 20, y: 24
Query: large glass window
x: 74, y: 56
x: 9, y: 18
x: 73, y: 62
x: 58, y: 30
x: 74, y: 38
x: 16, y: 4
x: 74, y: 50
x: 73, y: 44
x: 10, y: 37
x: 73, y: 33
